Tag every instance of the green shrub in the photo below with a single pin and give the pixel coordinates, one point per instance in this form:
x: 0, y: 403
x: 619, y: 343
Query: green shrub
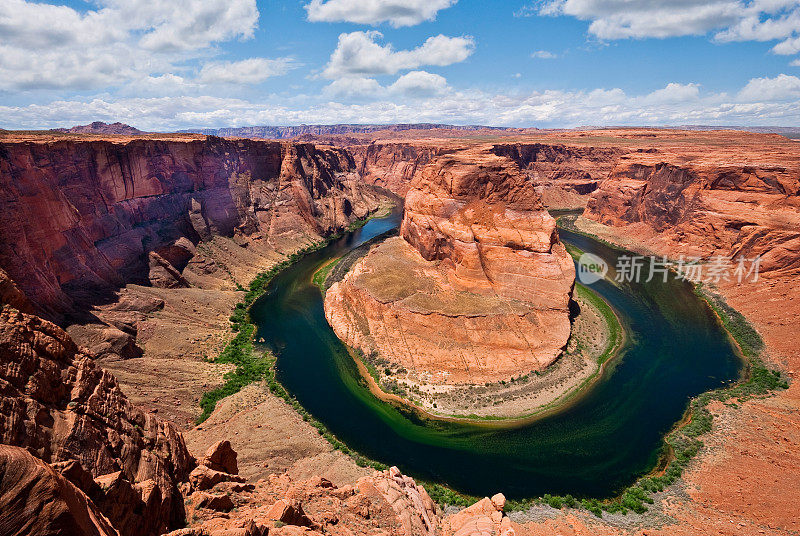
x: 554, y: 501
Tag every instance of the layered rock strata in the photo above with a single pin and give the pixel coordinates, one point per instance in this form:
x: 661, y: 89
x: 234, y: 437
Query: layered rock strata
x: 394, y: 165
x: 478, y: 287
x: 79, y: 219
x: 722, y: 203
x: 60, y: 406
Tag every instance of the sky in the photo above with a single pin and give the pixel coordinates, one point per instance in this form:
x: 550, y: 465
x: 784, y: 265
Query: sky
x: 164, y: 65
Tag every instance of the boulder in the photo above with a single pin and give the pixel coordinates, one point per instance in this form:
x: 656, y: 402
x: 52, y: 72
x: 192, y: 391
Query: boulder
x: 221, y: 502
x: 36, y: 500
x: 203, y: 477
x: 289, y: 512
x: 221, y: 457
x: 484, y: 518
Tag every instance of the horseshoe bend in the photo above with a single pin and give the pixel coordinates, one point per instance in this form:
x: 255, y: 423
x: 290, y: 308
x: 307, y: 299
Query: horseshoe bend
x: 477, y: 287
x: 116, y: 304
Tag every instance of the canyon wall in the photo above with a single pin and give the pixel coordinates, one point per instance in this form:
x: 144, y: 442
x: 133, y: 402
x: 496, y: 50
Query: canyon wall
x: 81, y: 218
x: 722, y: 204
x: 474, y: 290
x: 61, y: 407
x: 477, y: 288
x: 564, y: 175
x: 393, y: 165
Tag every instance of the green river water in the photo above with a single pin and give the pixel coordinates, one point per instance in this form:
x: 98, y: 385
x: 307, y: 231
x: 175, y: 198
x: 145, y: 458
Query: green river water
x: 596, y: 446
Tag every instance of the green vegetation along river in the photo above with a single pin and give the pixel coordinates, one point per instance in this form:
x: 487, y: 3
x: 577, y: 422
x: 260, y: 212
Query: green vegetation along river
x: 594, y: 447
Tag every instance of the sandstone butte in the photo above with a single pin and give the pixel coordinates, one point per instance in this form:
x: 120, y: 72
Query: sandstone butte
x: 135, y: 246
x: 477, y: 287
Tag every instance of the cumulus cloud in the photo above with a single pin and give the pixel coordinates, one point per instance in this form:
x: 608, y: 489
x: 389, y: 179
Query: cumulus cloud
x: 782, y: 87
x: 731, y: 20
x: 414, y: 84
x: 419, y: 84
x: 761, y: 101
x: 544, y: 55
x: 396, y: 12
x: 249, y: 71
x: 354, y: 88
x: 674, y: 92
x: 359, y: 54
x: 44, y: 46
x: 795, y: 63
x: 787, y: 47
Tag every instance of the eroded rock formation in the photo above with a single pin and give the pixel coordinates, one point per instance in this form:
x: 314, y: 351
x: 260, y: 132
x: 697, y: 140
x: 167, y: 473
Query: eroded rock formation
x: 386, y: 502
x: 81, y: 218
x: 478, y: 287
x: 36, y: 499
x: 59, y: 405
x: 729, y: 203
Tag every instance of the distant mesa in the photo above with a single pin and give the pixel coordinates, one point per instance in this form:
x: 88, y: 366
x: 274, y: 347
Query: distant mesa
x: 286, y: 132
x: 98, y: 127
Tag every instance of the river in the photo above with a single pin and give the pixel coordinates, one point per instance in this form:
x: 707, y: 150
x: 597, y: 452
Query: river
x: 676, y: 349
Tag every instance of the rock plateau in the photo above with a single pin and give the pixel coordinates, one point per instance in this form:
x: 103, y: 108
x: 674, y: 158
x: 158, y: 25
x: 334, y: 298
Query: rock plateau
x: 477, y: 289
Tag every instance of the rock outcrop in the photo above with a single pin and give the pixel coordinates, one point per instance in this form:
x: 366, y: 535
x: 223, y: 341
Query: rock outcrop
x: 56, y: 403
x: 478, y: 287
x: 99, y: 127
x: 726, y: 203
x: 386, y: 502
x: 484, y: 518
x: 35, y: 499
x: 133, y: 211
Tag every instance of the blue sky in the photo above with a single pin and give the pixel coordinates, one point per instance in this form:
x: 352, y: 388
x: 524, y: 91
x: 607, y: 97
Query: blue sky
x: 170, y: 64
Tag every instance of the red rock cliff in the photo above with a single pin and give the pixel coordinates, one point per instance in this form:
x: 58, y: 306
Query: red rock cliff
x: 723, y: 202
x: 79, y: 218
x: 60, y: 406
x: 478, y: 287
x: 394, y: 165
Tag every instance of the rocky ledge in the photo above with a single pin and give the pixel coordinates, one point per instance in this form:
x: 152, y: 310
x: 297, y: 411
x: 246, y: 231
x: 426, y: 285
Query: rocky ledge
x: 477, y: 288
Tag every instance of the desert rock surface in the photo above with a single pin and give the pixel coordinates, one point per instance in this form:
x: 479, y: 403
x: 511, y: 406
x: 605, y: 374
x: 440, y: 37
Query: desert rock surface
x: 475, y: 290
x: 664, y: 191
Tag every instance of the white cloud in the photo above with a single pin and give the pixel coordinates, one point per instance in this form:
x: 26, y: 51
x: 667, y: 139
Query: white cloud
x: 122, y: 41
x: 359, y: 54
x: 733, y: 20
x: 787, y: 47
x: 674, y: 92
x: 419, y: 84
x: 795, y: 63
x: 414, y: 84
x: 619, y: 19
x: 181, y: 25
x: 249, y: 71
x: 544, y: 55
x: 354, y: 88
x: 163, y: 85
x: 782, y: 87
x: 396, y: 12
x: 764, y: 101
